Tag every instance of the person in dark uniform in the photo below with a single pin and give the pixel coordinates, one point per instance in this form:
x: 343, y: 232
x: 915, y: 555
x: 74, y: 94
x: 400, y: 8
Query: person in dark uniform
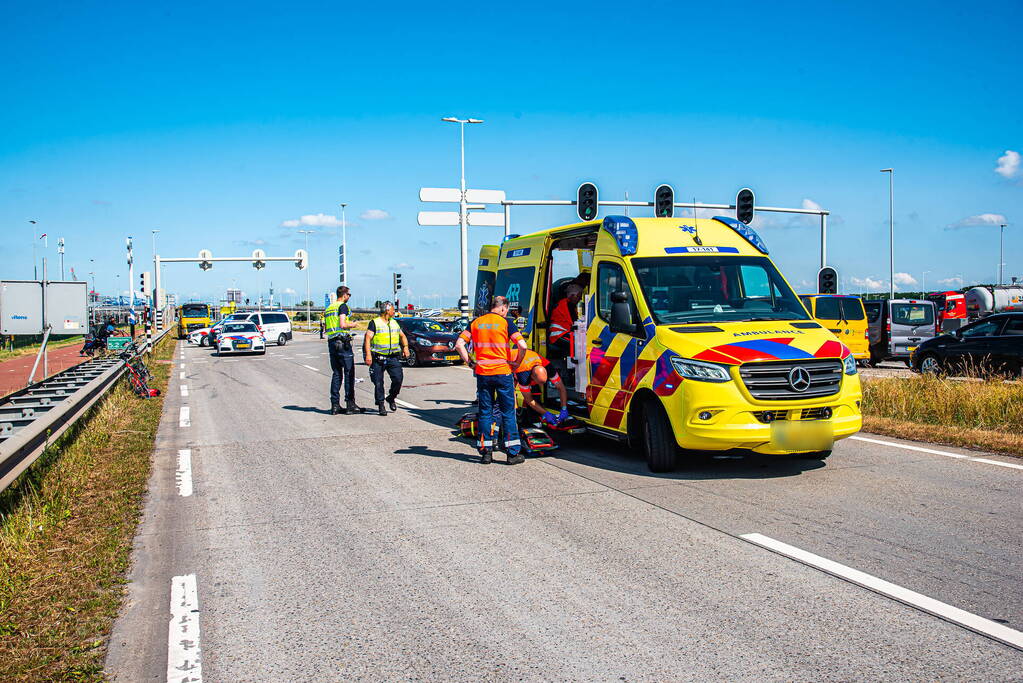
x: 339, y: 347
x: 384, y: 346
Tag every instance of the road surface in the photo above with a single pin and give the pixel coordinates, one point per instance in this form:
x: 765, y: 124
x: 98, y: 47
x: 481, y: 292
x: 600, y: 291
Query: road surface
x: 304, y: 546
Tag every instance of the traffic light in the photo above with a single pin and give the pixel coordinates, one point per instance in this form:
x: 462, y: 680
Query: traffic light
x: 664, y: 201
x: 587, y: 204
x: 744, y: 201
x: 397, y: 281
x: 827, y: 280
x: 145, y: 283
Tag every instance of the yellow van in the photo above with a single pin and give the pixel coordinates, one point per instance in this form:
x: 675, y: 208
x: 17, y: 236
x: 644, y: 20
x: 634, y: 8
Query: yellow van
x: 689, y: 339
x: 842, y: 315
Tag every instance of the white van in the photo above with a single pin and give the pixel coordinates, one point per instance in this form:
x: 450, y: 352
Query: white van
x: 274, y: 326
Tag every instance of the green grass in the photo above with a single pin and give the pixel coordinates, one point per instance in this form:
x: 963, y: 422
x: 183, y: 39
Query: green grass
x: 66, y: 528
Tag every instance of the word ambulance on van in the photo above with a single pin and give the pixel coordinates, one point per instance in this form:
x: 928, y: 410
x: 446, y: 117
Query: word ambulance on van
x: 690, y: 339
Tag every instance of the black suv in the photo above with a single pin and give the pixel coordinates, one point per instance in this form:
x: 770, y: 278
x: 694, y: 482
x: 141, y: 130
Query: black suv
x: 991, y: 345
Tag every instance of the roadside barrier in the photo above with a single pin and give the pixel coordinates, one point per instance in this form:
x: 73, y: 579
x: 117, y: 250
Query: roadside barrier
x: 33, y: 418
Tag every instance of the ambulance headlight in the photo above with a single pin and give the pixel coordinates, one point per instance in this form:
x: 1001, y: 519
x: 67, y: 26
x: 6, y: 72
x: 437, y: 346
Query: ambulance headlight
x: 700, y: 370
x: 850, y: 365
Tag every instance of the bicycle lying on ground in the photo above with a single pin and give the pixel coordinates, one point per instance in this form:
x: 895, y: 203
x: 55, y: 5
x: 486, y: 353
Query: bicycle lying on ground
x: 138, y: 374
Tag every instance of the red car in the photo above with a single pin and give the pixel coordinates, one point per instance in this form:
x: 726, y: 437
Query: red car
x: 429, y: 342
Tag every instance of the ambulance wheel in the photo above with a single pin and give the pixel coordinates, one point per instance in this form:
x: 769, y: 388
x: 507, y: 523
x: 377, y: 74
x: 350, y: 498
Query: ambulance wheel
x: 658, y: 439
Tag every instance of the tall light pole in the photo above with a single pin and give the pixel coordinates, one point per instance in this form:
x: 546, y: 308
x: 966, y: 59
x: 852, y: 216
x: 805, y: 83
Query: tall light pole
x: 92, y: 309
x: 1001, y: 258
x: 308, y: 295
x: 60, y: 250
x: 35, y: 268
x: 344, y: 246
x: 463, y: 301
x: 891, y: 230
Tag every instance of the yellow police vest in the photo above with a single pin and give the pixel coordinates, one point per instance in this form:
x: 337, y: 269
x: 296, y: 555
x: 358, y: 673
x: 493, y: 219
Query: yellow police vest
x: 386, y: 340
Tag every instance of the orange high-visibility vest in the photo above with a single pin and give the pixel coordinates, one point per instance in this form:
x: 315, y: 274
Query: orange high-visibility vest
x: 492, y: 336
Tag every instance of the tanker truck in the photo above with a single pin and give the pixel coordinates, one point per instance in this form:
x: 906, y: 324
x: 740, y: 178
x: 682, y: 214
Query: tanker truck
x: 983, y: 301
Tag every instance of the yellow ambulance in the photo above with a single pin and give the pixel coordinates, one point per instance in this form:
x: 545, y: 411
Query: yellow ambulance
x: 844, y: 316
x: 689, y: 339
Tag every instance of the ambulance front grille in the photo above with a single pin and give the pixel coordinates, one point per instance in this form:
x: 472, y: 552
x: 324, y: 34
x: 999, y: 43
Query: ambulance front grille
x: 769, y: 381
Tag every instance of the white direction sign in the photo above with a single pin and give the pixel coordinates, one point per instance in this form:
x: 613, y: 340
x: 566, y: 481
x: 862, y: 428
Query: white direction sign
x: 438, y: 218
x: 485, y: 197
x: 440, y: 194
x: 493, y: 220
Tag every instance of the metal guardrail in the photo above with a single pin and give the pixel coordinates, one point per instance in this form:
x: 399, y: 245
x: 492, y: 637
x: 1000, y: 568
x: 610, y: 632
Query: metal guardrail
x: 34, y: 417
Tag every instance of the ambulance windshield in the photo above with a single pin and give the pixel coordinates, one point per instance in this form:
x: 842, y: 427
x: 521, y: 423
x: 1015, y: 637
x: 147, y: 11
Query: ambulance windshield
x: 684, y: 289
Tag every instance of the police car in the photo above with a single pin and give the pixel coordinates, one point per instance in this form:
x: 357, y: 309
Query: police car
x: 240, y: 337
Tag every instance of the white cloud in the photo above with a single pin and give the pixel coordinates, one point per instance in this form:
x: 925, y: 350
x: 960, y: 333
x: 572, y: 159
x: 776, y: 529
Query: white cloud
x: 1008, y: 164
x: 869, y: 283
x: 980, y: 220
x: 374, y: 215
x: 905, y: 279
x: 811, y: 205
x: 406, y: 266
x: 316, y: 220
x: 951, y: 281
x: 289, y: 291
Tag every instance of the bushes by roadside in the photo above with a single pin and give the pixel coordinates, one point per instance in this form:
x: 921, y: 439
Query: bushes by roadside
x: 981, y: 414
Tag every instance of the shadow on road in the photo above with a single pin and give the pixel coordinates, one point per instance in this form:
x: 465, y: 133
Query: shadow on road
x: 308, y: 409
x: 433, y: 453
x: 606, y: 455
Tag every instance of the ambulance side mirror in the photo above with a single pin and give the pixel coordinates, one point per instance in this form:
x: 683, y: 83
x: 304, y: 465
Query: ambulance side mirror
x: 621, y: 313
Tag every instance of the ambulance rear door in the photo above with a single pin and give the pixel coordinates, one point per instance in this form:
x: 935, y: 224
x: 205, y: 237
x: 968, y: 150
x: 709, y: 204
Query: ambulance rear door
x: 486, y: 276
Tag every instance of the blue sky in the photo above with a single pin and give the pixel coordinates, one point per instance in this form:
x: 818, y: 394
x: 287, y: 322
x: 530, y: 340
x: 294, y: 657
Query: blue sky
x: 219, y: 124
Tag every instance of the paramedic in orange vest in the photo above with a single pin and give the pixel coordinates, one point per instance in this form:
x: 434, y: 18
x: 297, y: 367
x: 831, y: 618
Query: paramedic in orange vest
x: 535, y: 370
x: 559, y: 330
x: 492, y: 336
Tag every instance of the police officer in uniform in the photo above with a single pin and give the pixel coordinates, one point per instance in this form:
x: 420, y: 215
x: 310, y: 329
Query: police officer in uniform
x: 383, y: 347
x: 342, y: 358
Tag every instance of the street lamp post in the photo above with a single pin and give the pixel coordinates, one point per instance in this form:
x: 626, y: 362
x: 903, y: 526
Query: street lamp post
x: 463, y: 301
x: 35, y: 268
x: 891, y: 230
x: 1001, y: 258
x: 344, y: 246
x: 308, y: 295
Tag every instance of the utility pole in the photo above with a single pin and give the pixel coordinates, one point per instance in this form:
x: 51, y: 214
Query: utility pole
x: 344, y: 246
x: 1001, y: 258
x: 308, y: 295
x: 60, y: 250
x: 463, y: 223
x: 891, y: 230
x: 131, y: 290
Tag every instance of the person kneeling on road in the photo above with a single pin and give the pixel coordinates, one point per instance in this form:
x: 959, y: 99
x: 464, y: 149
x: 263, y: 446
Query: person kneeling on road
x: 384, y: 344
x: 535, y: 370
x: 491, y: 335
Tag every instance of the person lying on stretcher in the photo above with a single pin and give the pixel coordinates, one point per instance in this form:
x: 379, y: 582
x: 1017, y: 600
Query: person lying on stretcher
x: 535, y: 370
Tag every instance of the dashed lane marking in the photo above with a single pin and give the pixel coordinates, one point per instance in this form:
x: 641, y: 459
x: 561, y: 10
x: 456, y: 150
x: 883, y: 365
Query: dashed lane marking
x: 310, y: 367
x: 406, y: 404
x: 183, y: 475
x: 184, y: 391
x: 182, y: 375
x: 975, y: 623
x: 183, y: 419
x: 184, y: 654
x: 932, y: 451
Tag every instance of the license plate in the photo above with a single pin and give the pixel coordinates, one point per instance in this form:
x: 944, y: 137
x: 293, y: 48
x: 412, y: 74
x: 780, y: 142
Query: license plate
x: 243, y: 346
x: 802, y: 435
x: 451, y: 358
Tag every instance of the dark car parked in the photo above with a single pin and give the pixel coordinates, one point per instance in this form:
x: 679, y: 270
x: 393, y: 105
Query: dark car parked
x: 428, y: 341
x: 991, y: 345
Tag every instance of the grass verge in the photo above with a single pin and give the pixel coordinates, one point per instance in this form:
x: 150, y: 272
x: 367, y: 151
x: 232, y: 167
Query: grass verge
x: 982, y: 414
x: 66, y: 529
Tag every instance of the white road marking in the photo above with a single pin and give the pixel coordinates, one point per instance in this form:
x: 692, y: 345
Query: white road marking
x: 405, y: 404
x: 958, y: 456
x: 184, y: 391
x: 184, y: 655
x: 183, y: 475
x: 940, y: 609
x: 182, y: 375
x: 310, y: 367
x: 182, y: 367
x: 184, y: 420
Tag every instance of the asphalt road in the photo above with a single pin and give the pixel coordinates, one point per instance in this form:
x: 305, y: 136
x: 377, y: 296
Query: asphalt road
x: 344, y: 547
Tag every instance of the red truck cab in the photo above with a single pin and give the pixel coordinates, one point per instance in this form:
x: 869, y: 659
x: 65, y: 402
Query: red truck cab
x: 951, y: 310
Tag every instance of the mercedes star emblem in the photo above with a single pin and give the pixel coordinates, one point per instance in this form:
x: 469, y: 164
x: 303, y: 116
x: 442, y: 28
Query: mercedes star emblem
x: 799, y: 378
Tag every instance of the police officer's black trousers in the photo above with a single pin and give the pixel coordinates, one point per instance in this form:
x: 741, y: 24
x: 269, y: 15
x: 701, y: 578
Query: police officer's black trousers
x: 392, y: 366
x: 342, y: 363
